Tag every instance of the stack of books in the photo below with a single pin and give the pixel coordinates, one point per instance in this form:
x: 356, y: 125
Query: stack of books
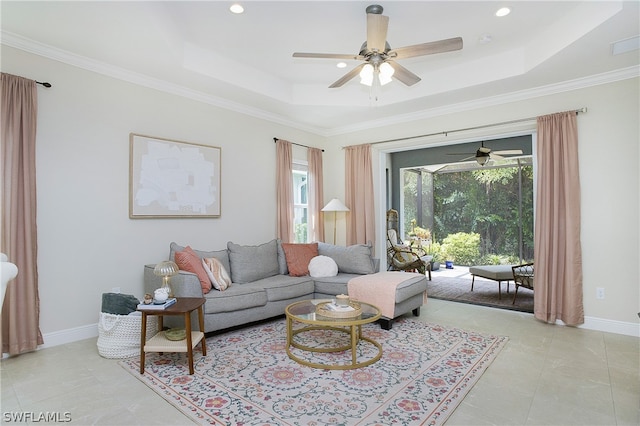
x: 339, y: 308
x: 158, y: 306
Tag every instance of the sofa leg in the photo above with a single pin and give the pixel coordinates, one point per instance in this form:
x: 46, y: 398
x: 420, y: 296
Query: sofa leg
x: 416, y: 312
x: 386, y: 323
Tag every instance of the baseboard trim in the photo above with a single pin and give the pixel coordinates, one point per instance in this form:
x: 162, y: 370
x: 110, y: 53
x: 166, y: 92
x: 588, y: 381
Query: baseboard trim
x: 611, y: 326
x: 69, y: 335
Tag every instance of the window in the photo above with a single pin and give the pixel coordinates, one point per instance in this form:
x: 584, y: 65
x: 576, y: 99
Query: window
x: 300, y: 202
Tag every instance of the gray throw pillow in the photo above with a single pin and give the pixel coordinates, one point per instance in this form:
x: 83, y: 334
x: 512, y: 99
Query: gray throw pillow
x: 356, y: 259
x: 221, y: 255
x: 252, y: 263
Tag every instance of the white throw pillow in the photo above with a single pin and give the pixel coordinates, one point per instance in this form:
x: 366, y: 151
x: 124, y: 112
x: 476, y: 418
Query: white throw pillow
x: 323, y: 266
x: 217, y: 273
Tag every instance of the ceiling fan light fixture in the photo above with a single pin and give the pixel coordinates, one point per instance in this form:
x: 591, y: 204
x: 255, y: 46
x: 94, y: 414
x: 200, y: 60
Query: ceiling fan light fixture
x: 366, y: 75
x: 385, y: 73
x: 482, y: 159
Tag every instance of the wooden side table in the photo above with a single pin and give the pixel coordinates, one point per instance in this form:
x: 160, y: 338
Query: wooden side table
x: 159, y: 343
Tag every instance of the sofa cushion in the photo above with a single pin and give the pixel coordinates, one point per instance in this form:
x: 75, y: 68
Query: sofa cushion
x: 221, y: 255
x: 323, y: 266
x: 333, y: 285
x: 218, y: 276
x: 285, y: 287
x: 298, y: 257
x: 355, y: 259
x: 251, y: 263
x: 235, y: 298
x: 188, y: 260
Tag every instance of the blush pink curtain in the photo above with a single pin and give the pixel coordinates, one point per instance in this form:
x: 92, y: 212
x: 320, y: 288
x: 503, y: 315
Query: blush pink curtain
x: 21, y: 309
x: 284, y: 190
x: 558, y: 252
x: 359, y: 195
x: 316, y: 195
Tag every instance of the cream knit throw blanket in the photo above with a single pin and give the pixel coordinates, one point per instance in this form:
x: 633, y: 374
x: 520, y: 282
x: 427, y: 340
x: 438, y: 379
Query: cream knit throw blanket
x: 379, y: 289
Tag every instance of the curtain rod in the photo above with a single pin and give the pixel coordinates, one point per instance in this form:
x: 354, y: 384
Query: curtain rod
x: 446, y: 133
x: 293, y: 143
x: 45, y: 84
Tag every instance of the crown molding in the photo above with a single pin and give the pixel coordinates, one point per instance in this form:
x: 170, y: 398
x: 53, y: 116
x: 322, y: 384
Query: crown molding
x: 60, y: 55
x: 536, y: 92
x: 40, y: 49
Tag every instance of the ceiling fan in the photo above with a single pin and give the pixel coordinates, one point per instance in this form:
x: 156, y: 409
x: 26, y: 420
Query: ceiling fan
x: 379, y: 58
x: 484, y: 154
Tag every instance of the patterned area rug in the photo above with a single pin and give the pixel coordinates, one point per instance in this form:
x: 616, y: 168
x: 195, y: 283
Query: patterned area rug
x: 247, y: 378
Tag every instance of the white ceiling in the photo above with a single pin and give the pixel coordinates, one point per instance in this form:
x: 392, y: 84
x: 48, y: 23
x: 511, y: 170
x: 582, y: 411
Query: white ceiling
x: 244, y: 62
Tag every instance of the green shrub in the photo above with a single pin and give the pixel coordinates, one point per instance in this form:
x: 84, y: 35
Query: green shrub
x: 462, y: 248
x: 434, y: 249
x: 300, y: 232
x: 490, y: 259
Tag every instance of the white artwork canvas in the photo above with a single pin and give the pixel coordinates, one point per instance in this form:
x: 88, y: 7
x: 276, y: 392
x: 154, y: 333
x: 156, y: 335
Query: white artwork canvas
x: 173, y: 179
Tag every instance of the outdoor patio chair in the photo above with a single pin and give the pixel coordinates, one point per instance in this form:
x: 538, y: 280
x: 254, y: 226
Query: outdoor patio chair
x: 522, y: 277
x: 401, y: 256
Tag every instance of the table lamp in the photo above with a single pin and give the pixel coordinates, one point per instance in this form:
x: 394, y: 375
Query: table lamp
x: 335, y: 206
x: 166, y: 270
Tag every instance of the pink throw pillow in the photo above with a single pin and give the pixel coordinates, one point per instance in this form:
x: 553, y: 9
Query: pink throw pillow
x: 189, y: 261
x: 298, y: 257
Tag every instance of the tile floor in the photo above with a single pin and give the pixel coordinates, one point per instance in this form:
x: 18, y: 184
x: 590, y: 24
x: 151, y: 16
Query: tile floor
x: 546, y: 375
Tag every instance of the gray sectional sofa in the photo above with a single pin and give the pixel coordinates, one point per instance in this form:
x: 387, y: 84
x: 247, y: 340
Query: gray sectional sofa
x: 261, y: 287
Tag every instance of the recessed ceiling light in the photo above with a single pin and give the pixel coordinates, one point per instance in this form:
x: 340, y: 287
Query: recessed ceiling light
x: 236, y: 8
x: 503, y: 11
x: 341, y: 65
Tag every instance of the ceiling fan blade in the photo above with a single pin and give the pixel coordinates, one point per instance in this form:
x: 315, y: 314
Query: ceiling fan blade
x: 327, y: 55
x: 467, y: 159
x: 403, y: 74
x: 348, y: 76
x: 430, y: 48
x: 495, y: 156
x: 377, y: 32
x: 509, y: 152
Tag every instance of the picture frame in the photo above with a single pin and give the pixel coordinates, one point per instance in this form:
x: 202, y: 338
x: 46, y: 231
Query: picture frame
x: 173, y: 179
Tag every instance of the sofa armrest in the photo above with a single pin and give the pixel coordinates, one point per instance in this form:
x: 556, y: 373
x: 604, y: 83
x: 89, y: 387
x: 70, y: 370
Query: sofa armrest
x: 185, y: 284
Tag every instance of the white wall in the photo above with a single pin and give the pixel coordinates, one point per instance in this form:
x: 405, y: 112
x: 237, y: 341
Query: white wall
x: 609, y: 157
x: 88, y: 244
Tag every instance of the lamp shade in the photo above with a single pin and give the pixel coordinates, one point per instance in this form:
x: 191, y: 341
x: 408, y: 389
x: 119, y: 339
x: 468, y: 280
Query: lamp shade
x: 166, y: 269
x: 335, y: 205
x: 366, y: 75
x: 386, y: 71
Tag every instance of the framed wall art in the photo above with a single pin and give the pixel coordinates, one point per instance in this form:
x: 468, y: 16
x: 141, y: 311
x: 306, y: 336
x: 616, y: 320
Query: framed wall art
x: 173, y: 179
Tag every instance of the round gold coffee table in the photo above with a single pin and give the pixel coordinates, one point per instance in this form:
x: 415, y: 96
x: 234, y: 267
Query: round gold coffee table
x: 305, y: 312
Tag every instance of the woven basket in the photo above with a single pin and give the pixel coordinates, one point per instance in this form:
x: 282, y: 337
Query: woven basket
x: 119, y: 335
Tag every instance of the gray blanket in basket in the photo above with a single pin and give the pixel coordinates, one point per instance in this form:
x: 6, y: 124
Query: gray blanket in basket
x: 118, y: 303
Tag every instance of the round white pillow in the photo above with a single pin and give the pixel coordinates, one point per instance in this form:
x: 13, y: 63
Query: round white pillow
x: 323, y: 266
